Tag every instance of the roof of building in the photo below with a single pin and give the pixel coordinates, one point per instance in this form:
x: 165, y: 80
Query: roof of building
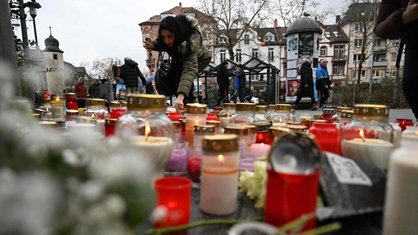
x: 303, y: 24
x: 356, y: 10
x: 335, y: 34
x: 52, y: 44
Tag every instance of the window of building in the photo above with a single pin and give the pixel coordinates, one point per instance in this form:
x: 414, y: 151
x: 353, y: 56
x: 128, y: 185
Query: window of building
x: 338, y: 69
x: 339, y: 52
x: 254, y: 53
x: 271, y: 54
x: 356, y: 58
x: 246, y: 39
x: 323, y: 51
x: 222, y: 55
x: 358, y: 42
x: 238, y: 55
x: 55, y: 56
x: 268, y: 37
x: 359, y: 27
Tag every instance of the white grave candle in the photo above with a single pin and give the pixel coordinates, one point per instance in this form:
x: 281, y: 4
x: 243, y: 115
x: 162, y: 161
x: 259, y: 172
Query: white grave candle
x: 219, y: 179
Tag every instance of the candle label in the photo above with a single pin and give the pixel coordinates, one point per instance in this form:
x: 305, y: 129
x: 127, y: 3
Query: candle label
x: 347, y: 171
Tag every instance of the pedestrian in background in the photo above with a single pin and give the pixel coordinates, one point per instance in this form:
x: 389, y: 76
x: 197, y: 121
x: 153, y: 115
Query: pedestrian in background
x: 181, y: 38
x: 323, y: 82
x: 80, y: 89
x: 222, y: 77
x: 94, y: 89
x: 306, y: 87
x: 240, y: 73
x: 130, y: 72
x: 398, y: 19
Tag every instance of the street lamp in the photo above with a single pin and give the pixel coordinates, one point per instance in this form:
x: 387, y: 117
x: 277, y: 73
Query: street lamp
x: 33, y: 10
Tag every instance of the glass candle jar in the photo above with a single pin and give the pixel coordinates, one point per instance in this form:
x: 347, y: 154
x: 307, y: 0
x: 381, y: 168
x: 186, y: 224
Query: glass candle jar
x: 369, y: 136
x: 260, y: 113
x: 96, y: 109
x: 327, y: 136
x: 110, y: 126
x: 71, y: 102
x: 71, y: 115
x: 246, y: 135
x: 262, y: 133
x: 146, y: 111
x: 58, y: 109
x: 195, y: 115
x: 219, y: 176
x: 328, y: 113
x: 244, y: 114
x: 200, y: 131
x: 116, y: 109
x: 282, y: 115
x: 217, y: 124
x: 401, y: 206
x: 293, y: 170
x: 45, y: 109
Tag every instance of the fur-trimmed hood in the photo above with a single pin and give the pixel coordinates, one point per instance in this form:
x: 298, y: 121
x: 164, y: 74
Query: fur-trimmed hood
x: 195, y: 38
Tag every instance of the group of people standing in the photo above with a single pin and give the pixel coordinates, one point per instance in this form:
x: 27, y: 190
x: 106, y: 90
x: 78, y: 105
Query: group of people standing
x: 306, y: 87
x: 223, y: 76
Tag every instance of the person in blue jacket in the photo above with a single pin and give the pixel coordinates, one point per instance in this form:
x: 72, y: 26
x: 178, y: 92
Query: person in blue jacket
x: 323, y: 82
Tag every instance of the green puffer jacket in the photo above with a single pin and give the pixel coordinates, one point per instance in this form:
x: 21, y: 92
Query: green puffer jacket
x: 194, y: 62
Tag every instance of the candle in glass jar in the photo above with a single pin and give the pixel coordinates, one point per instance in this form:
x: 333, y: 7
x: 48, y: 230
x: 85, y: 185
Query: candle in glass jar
x: 401, y: 205
x: 374, y: 151
x: 58, y: 108
x: 259, y: 150
x: 219, y: 176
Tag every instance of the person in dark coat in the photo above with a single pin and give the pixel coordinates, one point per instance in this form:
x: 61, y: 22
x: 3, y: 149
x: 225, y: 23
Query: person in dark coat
x: 222, y: 77
x: 399, y: 19
x: 306, y: 88
x: 94, y: 89
x: 130, y: 72
x: 242, y: 82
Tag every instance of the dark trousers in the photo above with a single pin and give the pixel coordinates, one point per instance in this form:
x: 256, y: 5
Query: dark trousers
x: 223, y: 95
x: 241, y: 92
x: 410, y: 78
x: 323, y: 96
x: 300, y: 93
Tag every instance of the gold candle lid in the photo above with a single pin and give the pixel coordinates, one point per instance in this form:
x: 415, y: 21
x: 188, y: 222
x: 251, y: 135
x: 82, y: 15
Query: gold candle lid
x: 276, y: 131
x: 271, y: 107
x: 261, y: 108
x: 317, y: 116
x: 197, y: 108
x: 341, y: 108
x: 283, y: 107
x: 213, y: 122
x: 347, y: 113
x: 229, y: 105
x: 204, y: 129
x: 123, y: 103
x: 115, y: 104
x: 145, y: 102
x: 251, y: 129
x: 301, y: 128
x: 57, y: 101
x: 261, y: 125
x: 220, y: 143
x: 245, y: 107
x: 329, y: 111
x: 371, y: 110
x: 237, y: 130
x: 95, y: 102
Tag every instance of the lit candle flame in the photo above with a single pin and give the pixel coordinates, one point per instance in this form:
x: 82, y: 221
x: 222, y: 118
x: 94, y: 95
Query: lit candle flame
x: 221, y: 159
x: 361, y: 133
x: 57, y: 98
x: 147, y: 130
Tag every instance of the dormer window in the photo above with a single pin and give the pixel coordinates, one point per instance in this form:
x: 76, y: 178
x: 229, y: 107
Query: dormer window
x: 269, y: 37
x: 246, y: 39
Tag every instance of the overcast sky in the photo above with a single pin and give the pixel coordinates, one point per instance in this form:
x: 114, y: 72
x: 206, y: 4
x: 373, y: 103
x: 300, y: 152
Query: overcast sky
x: 98, y: 29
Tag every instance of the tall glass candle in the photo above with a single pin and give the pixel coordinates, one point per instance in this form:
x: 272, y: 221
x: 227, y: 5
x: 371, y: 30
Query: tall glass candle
x: 401, y: 204
x: 219, y: 176
x: 58, y: 109
x: 195, y: 115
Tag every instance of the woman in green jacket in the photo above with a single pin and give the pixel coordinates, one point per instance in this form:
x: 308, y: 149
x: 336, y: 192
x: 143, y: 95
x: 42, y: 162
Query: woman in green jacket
x: 180, y: 37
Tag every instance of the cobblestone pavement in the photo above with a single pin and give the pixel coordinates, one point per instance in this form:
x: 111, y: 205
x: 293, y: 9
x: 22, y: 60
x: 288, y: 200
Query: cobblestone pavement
x: 393, y: 113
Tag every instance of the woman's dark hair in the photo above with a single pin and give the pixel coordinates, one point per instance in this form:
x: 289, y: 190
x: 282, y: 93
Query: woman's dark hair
x: 180, y: 27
